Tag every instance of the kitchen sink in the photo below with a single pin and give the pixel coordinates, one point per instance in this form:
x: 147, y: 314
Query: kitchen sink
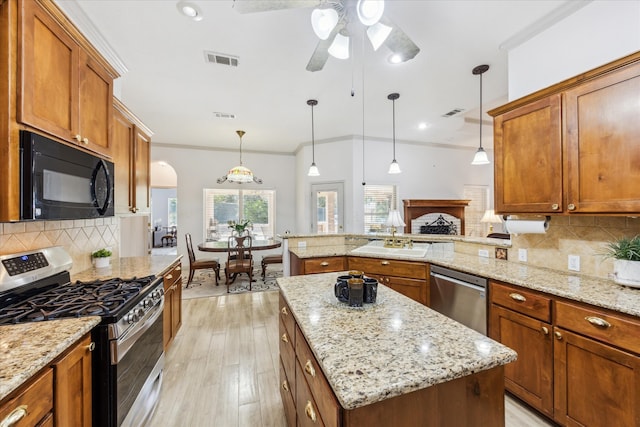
x: 416, y: 252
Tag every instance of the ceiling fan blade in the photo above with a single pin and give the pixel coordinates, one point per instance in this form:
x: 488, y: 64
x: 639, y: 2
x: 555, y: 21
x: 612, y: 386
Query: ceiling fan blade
x: 251, y: 6
x: 398, y: 42
x: 321, y: 53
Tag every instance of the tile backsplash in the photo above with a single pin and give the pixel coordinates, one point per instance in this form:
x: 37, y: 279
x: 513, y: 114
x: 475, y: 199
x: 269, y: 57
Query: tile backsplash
x: 79, y: 237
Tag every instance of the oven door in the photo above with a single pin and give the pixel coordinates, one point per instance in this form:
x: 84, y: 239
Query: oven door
x: 61, y: 182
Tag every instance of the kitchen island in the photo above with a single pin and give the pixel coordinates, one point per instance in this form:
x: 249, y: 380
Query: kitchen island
x: 394, y: 362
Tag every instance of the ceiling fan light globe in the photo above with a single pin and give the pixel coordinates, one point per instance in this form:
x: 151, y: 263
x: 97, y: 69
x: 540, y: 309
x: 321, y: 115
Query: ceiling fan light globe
x: 340, y: 47
x: 370, y: 11
x: 377, y: 34
x: 323, y: 21
x: 480, y: 158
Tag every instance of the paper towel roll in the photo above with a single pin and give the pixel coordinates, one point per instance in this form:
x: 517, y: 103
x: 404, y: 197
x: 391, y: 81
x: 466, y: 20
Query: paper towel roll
x: 521, y: 226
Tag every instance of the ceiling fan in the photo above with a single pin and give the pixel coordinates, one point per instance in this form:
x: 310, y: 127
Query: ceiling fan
x: 332, y: 21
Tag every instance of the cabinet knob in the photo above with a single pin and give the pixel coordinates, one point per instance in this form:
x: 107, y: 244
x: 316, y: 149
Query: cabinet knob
x: 596, y: 321
x: 571, y: 207
x: 545, y: 330
x: 324, y: 264
x: 285, y: 386
x: 309, y: 411
x: 77, y: 137
x: 517, y: 297
x: 309, y: 369
x: 85, y: 140
x: 169, y: 276
x: 555, y: 206
x: 284, y: 311
x: 178, y: 268
x: 558, y: 335
x: 91, y: 346
x: 14, y: 416
x: 284, y: 338
x: 384, y: 263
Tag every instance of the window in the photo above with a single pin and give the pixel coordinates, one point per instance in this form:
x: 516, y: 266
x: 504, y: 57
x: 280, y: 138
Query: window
x: 378, y: 199
x: 172, y: 211
x: 222, y: 206
x: 479, y: 196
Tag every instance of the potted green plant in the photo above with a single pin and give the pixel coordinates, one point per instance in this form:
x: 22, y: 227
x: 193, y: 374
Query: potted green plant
x: 625, y: 252
x: 101, y: 257
x: 240, y: 227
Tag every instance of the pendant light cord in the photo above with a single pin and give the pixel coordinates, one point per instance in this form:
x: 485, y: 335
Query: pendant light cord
x: 480, y: 117
x: 363, y: 162
x: 394, y: 130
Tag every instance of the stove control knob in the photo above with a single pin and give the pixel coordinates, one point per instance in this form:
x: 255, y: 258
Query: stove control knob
x: 132, y: 317
x: 140, y: 313
x: 147, y: 303
x: 157, y: 294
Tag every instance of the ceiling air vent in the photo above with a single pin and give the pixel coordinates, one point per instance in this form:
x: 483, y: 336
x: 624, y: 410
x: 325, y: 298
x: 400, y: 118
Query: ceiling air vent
x: 220, y: 115
x: 220, y: 58
x: 453, y: 112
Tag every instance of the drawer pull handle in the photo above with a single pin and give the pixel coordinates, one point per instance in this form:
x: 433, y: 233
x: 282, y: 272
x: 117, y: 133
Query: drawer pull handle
x: 517, y: 297
x: 545, y: 330
x: 571, y: 207
x: 85, y: 140
x: 91, y: 346
x: 16, y: 415
x: 324, y: 264
x: 169, y: 276
x: 284, y: 338
x: 284, y: 311
x: 285, y: 386
x: 558, y: 335
x: 309, y: 369
x: 384, y: 263
x: 178, y: 268
x: 555, y: 206
x: 596, y: 321
x: 309, y: 411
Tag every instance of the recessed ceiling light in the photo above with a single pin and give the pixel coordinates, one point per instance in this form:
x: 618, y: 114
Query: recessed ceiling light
x: 423, y: 125
x: 190, y: 10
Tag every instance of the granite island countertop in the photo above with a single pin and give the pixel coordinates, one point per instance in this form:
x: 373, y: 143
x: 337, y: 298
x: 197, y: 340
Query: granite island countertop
x: 591, y: 290
x: 386, y: 349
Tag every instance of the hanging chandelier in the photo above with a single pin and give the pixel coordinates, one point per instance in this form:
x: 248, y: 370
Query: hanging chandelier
x: 239, y: 174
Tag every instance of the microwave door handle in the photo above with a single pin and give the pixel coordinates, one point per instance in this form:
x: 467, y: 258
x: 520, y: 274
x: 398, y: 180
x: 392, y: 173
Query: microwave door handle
x: 101, y: 165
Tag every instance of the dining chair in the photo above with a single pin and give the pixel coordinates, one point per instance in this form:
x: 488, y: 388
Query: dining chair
x: 239, y: 259
x: 200, y: 264
x: 269, y: 259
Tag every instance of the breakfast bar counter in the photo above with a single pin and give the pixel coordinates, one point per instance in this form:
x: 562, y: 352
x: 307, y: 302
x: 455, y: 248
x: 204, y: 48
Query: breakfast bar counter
x: 388, y: 350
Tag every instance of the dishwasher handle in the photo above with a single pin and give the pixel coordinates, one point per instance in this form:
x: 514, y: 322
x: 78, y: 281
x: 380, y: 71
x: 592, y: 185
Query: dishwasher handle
x: 458, y: 282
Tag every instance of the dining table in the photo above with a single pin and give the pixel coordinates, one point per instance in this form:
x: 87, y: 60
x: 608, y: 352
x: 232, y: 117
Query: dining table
x: 222, y: 246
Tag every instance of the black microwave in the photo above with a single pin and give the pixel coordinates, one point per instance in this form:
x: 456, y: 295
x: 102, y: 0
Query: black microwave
x: 58, y: 181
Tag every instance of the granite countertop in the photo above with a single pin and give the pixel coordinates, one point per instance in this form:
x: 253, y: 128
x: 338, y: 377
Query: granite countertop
x: 591, y: 290
x: 386, y: 349
x: 26, y: 348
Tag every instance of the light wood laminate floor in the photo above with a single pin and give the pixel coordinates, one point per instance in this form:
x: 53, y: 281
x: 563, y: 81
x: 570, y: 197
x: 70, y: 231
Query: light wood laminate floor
x: 222, y: 369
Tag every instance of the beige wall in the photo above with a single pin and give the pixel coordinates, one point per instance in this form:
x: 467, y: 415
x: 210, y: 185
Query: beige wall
x: 79, y: 237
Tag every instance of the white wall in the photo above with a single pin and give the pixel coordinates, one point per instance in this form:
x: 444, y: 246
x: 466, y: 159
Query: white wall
x: 600, y: 32
x: 198, y: 169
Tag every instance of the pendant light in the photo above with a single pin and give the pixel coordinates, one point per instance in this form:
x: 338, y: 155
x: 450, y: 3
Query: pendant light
x: 239, y: 174
x: 481, y: 156
x: 394, y: 167
x: 313, y: 169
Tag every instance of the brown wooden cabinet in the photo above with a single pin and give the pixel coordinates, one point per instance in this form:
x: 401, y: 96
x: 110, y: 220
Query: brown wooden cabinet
x: 72, y: 388
x: 571, y: 148
x: 31, y: 404
x: 66, y: 88
x: 317, y: 265
x: 287, y: 345
x: 172, y: 314
x: 131, y: 155
x: 407, y: 277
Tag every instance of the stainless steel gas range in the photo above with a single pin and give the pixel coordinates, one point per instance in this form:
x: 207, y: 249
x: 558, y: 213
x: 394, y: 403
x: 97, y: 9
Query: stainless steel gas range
x: 128, y: 359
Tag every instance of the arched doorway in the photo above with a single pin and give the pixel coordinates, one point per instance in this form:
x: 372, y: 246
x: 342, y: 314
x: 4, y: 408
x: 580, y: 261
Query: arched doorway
x: 164, y: 209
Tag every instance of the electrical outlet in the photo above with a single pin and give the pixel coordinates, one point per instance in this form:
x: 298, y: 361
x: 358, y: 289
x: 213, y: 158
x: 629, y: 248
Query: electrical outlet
x: 483, y: 253
x: 522, y: 255
x: 574, y: 262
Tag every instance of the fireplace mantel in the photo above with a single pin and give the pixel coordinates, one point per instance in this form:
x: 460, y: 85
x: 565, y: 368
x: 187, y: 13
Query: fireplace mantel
x: 415, y: 208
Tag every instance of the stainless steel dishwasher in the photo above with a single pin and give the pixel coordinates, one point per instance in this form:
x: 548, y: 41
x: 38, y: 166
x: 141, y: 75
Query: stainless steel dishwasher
x: 460, y: 296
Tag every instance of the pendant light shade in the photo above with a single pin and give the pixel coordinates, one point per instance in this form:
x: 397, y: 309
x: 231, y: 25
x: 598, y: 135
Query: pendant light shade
x: 394, y: 167
x: 340, y: 47
x: 313, y: 169
x: 481, y: 156
x: 377, y: 34
x: 370, y: 11
x: 323, y: 21
x: 239, y: 174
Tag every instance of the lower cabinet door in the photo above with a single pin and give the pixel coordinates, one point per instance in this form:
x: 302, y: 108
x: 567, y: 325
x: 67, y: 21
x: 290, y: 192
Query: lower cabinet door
x: 306, y: 408
x: 531, y: 376
x: 286, y: 392
x: 595, y: 385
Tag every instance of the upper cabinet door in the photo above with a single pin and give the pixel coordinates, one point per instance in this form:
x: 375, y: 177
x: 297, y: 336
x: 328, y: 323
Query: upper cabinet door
x: 96, y: 110
x: 528, y: 158
x: 49, y: 74
x: 142, y: 172
x: 603, y: 151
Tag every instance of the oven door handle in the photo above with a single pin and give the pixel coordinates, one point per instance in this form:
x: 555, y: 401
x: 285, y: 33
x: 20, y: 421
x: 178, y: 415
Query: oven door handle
x: 120, y: 347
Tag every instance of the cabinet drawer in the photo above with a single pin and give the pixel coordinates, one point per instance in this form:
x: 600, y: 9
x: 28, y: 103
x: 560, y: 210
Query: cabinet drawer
x: 172, y: 277
x: 599, y: 324
x: 320, y: 389
x: 287, y: 351
x: 307, y: 411
x: 324, y: 265
x: 287, y: 392
x: 287, y: 318
x: 521, y: 300
x: 37, y: 398
x: 388, y: 267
